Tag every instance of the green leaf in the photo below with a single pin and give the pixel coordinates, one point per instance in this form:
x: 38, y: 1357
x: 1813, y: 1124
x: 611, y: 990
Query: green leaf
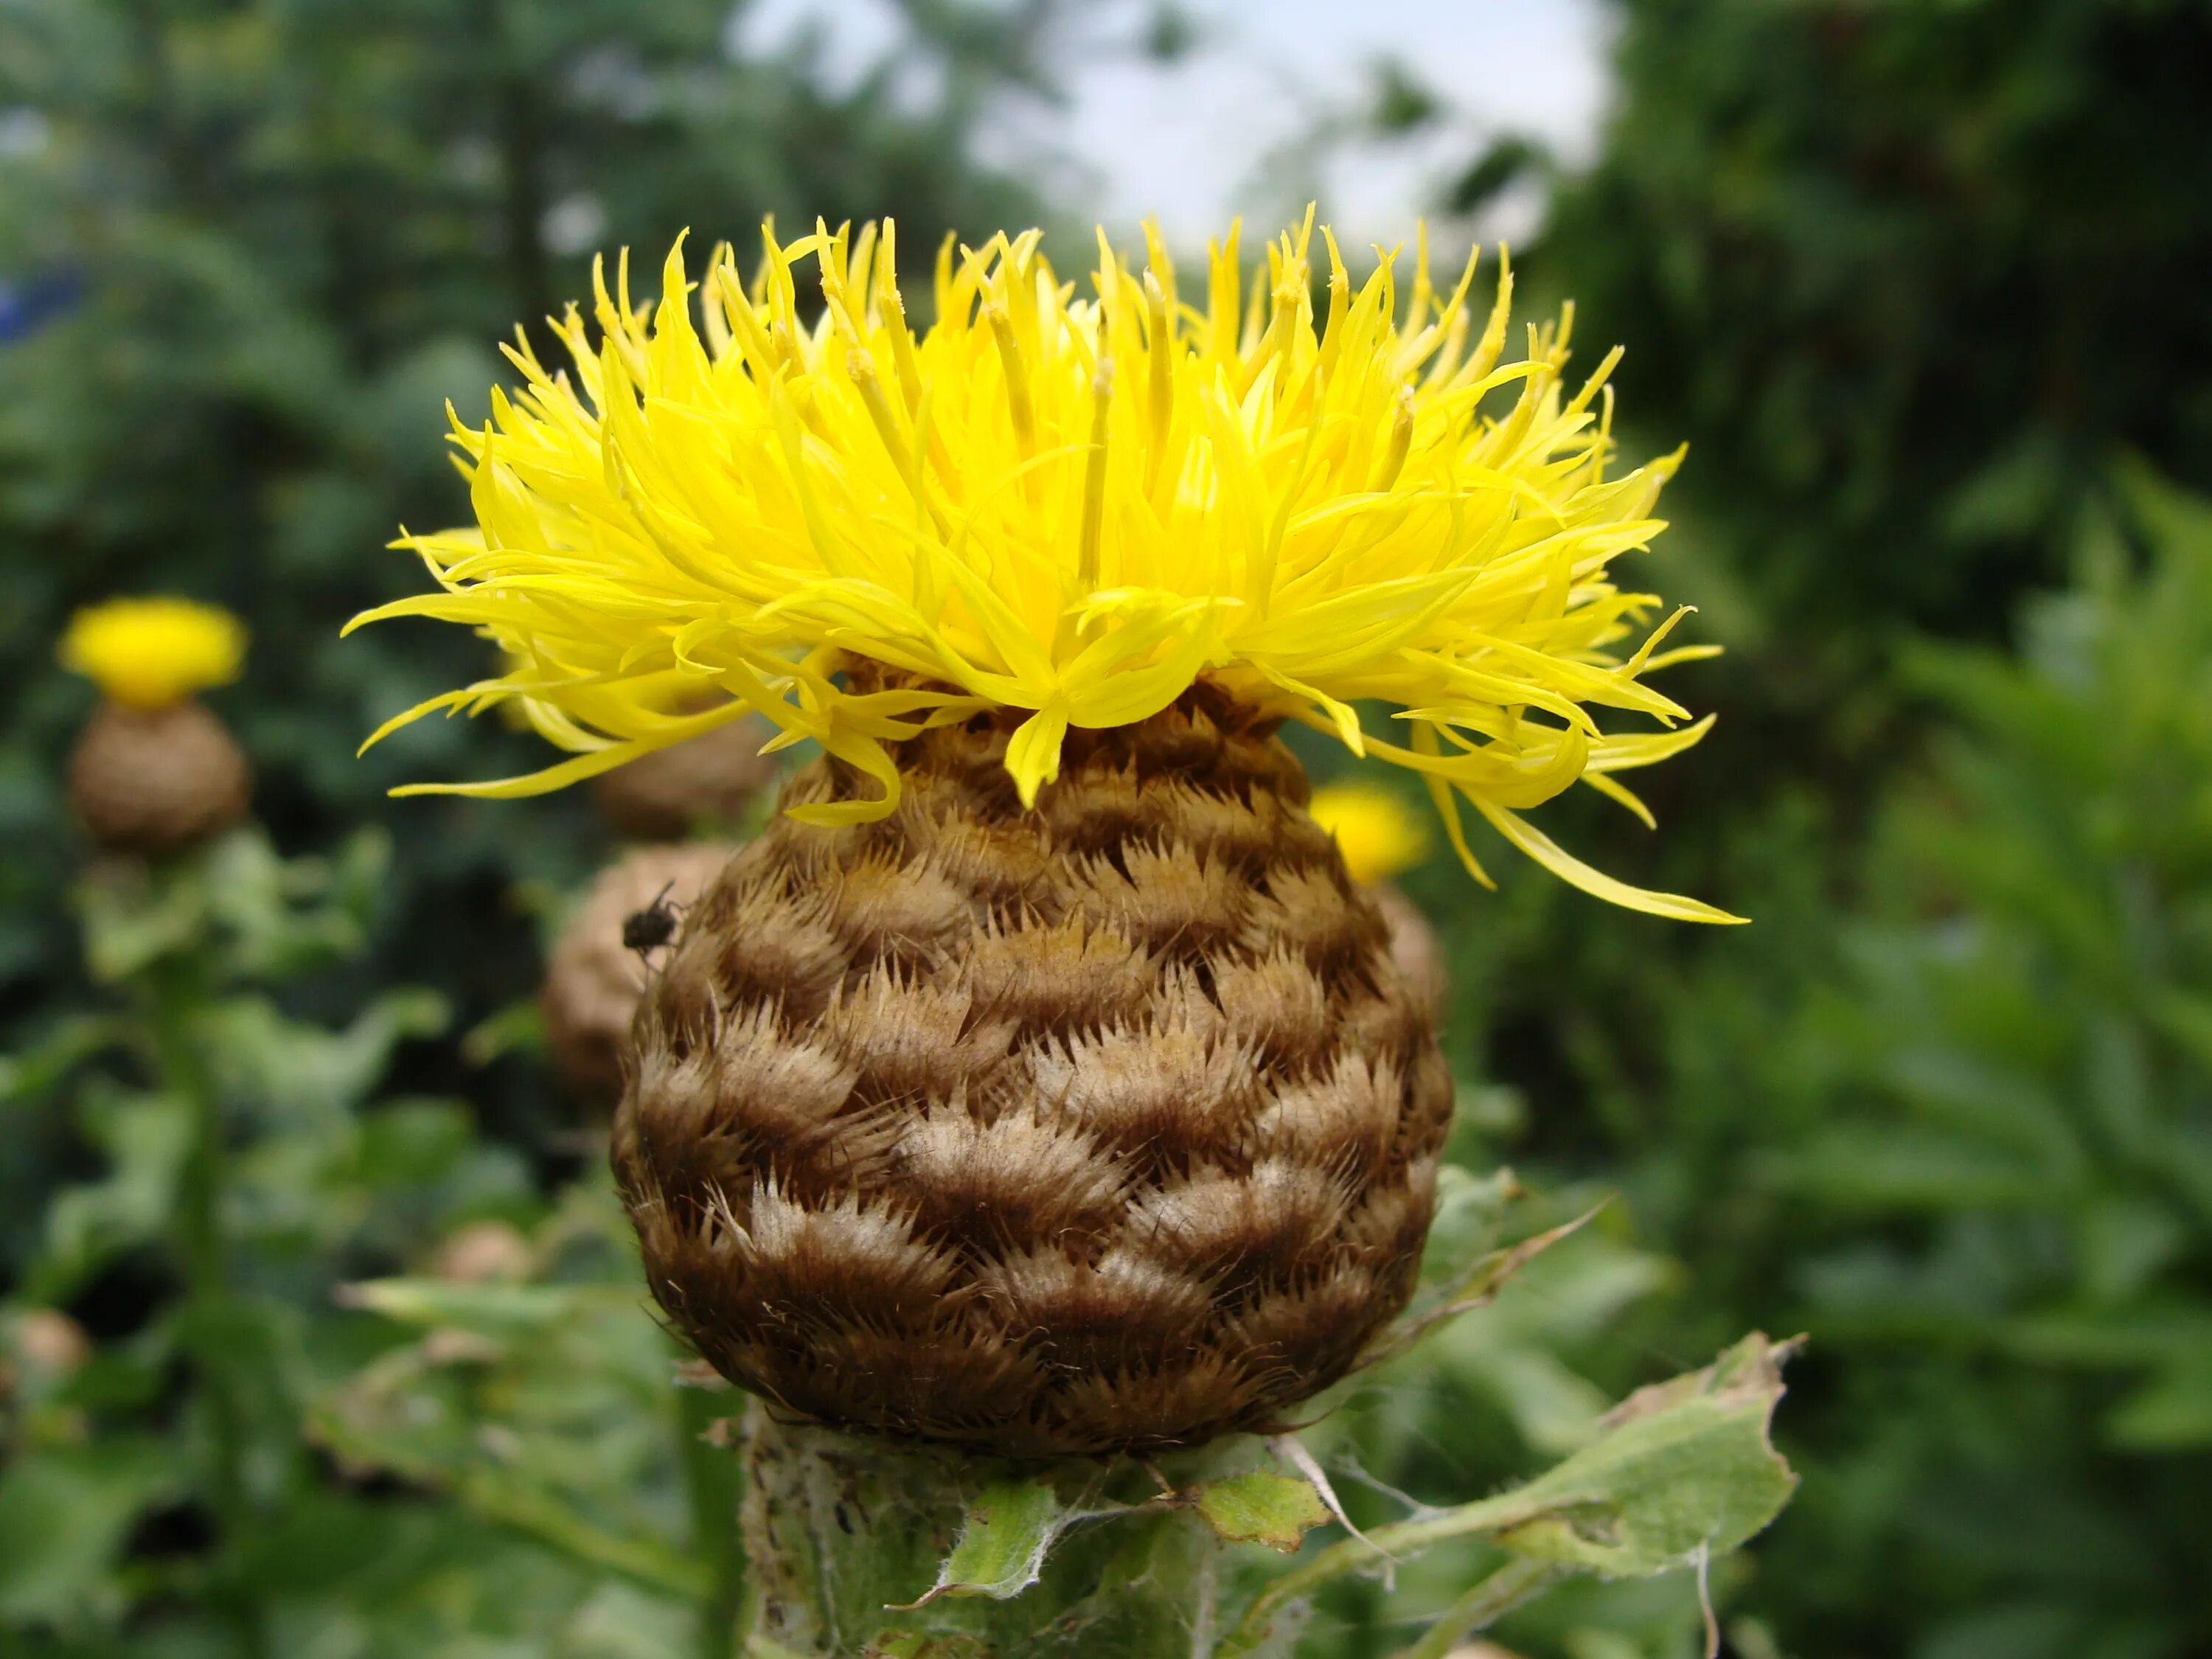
x: 65, y: 1513
x: 134, y: 917
x: 1003, y: 1541
x: 2186, y: 1018
x: 487, y: 1309
x: 279, y: 915
x: 2172, y: 1413
x: 518, y: 1028
x: 1901, y: 1166
x: 1683, y: 1466
x: 26, y: 1075
x: 304, y: 1071
x: 1470, y: 1213
x: 1447, y: 1295
x: 1262, y: 1507
x: 2153, y: 1331
x: 1681, y: 1471
x: 146, y: 1139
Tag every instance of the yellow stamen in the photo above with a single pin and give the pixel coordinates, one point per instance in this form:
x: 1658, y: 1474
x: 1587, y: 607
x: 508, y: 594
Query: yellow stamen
x: 1094, y: 477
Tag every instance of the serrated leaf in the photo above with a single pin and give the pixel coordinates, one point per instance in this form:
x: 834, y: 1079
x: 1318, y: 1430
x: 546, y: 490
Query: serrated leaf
x: 1262, y: 1507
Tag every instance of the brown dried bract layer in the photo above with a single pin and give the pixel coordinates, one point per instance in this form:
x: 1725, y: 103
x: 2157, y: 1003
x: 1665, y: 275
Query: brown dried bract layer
x: 667, y: 793
x: 593, y: 980
x: 157, y: 781
x: 1107, y: 1125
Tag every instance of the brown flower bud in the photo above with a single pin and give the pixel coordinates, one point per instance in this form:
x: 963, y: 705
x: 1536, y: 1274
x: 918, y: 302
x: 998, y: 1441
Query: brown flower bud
x: 156, y: 780
x: 48, y: 1343
x: 1108, y: 1124
x: 713, y: 778
x: 594, y: 978
x: 484, y: 1252
x: 1413, y: 943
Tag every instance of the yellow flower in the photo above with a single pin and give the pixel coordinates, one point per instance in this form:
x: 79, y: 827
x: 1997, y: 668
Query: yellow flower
x: 152, y: 653
x: 1073, y: 505
x: 1377, y: 833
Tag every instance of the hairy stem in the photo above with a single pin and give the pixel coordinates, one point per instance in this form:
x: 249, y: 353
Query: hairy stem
x: 1482, y: 1606
x: 845, y: 1534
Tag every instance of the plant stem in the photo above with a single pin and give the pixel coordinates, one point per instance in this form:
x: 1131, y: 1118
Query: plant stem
x: 712, y: 1485
x: 1483, y: 1605
x: 845, y: 1534
x: 173, y: 994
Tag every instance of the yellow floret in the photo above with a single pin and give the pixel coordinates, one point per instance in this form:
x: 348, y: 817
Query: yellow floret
x: 151, y: 652
x: 1068, y: 505
x: 1378, y: 834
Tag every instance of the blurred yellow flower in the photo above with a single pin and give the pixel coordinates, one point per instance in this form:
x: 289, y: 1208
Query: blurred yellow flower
x: 1073, y: 506
x: 152, y: 653
x: 1379, y: 834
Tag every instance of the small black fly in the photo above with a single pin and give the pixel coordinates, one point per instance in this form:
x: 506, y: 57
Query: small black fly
x: 648, y: 930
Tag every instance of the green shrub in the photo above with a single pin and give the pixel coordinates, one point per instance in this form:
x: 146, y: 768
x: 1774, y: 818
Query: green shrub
x: 274, y: 239
x: 1948, y: 1108
x: 2010, y: 1177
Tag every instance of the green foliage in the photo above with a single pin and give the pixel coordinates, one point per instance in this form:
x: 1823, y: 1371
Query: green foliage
x: 281, y: 1440
x: 2010, y: 1162
x: 1262, y: 1506
x: 538, y: 1400
x: 250, y: 1447
x: 229, y: 1131
x: 1081, y: 1557
x: 1003, y: 1538
x: 282, y: 236
x: 1905, y: 275
x: 1902, y: 276
x: 1491, y: 1398
x: 1679, y: 1473
x: 1961, y: 1138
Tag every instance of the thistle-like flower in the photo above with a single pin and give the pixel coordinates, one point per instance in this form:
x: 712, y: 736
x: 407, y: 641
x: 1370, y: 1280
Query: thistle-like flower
x: 1041, y: 1079
x: 154, y: 771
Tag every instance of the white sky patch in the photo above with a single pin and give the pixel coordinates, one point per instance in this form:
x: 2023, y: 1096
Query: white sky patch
x: 1188, y: 141
x: 855, y: 34
x: 1196, y: 141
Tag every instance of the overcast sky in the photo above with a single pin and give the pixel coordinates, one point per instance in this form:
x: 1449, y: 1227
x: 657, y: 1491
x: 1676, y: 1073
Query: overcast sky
x: 1189, y: 141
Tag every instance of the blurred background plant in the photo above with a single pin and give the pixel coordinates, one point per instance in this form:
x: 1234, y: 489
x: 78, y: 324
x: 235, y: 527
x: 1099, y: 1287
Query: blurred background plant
x: 1922, y: 287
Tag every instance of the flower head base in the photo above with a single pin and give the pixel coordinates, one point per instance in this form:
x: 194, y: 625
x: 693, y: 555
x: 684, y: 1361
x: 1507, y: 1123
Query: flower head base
x: 1071, y: 505
x: 154, y: 653
x: 1378, y: 834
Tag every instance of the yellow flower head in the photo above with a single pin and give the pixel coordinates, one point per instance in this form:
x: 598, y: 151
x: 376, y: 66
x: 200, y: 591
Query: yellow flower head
x: 149, y: 654
x: 1069, y: 503
x: 1378, y: 834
